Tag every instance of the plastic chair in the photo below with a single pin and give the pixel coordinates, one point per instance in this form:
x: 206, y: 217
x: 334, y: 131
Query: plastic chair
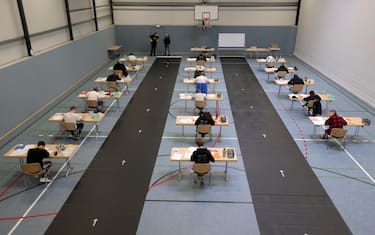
x: 118, y: 73
x: 281, y: 74
x: 200, y: 104
x: 112, y: 86
x: 201, y: 169
x: 297, y: 88
x: 32, y: 169
x: 203, y: 129
x: 68, y: 127
x: 339, y: 134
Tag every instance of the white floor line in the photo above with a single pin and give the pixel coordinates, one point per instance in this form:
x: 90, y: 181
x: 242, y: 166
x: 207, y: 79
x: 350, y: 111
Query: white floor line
x: 317, y: 140
x: 193, y: 137
x: 56, y: 175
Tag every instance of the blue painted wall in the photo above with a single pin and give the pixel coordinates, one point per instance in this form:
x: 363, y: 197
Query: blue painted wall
x: 135, y: 38
x: 30, y: 84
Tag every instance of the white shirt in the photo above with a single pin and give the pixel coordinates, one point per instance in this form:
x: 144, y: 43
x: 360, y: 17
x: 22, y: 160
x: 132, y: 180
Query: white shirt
x: 132, y: 58
x: 199, y: 97
x: 94, y: 95
x: 72, y: 117
x: 201, y: 79
x: 270, y: 59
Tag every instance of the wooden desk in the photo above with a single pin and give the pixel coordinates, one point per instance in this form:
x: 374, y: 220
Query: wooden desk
x: 183, y: 155
x: 107, y: 95
x: 114, y: 51
x: 20, y: 152
x: 129, y: 68
x: 260, y: 62
x: 190, y: 121
x: 256, y: 50
x: 208, y: 70
x: 299, y: 97
x: 194, y: 60
x: 86, y: 117
x: 273, y: 71
x: 202, y: 49
x: 352, y: 121
x: 124, y: 80
x: 139, y: 60
x: 284, y: 82
x: 191, y: 81
x: 209, y: 97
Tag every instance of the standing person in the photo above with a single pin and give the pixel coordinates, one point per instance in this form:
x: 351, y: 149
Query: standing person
x: 334, y: 121
x: 36, y: 155
x: 167, y: 42
x: 154, y: 41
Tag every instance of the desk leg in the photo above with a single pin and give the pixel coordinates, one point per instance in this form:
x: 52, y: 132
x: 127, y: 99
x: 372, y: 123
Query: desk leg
x: 185, y: 105
x: 327, y: 102
x: 226, y: 172
x: 179, y: 178
x: 279, y: 90
x: 268, y: 77
x: 118, y: 104
x: 219, y: 137
x: 97, y: 129
x: 68, y: 167
x: 183, y: 130
x: 306, y: 89
x: 20, y: 161
x: 291, y: 107
x: 314, y: 129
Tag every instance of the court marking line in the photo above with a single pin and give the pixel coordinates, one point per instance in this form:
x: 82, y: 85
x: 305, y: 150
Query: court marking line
x: 193, y: 137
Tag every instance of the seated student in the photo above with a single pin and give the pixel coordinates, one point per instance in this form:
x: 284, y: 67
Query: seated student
x: 199, y: 96
x: 270, y: 60
x: 201, y: 155
x: 281, y: 68
x: 73, y: 117
x: 201, y: 57
x: 295, y: 81
x: 132, y: 59
x: 334, y: 121
x: 120, y: 66
x: 201, y: 83
x: 36, y: 155
x: 204, y: 118
x: 96, y: 96
x: 113, y: 78
x: 317, y: 107
x: 199, y: 69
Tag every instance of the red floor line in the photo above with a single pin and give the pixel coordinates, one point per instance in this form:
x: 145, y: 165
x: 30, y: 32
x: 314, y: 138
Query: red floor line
x: 9, y: 186
x: 28, y: 217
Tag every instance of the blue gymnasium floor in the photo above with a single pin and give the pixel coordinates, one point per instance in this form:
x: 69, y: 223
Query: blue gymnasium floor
x: 225, y: 206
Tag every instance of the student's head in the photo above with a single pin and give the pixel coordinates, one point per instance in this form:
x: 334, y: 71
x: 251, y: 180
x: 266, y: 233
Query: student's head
x: 73, y: 109
x: 200, y: 142
x: 96, y: 89
x: 197, y: 91
x: 282, y: 63
x: 312, y: 93
x: 131, y: 54
x: 201, y: 113
x: 332, y: 112
x: 41, y: 144
x: 295, y: 76
x: 119, y: 62
x: 201, y: 73
x: 166, y: 35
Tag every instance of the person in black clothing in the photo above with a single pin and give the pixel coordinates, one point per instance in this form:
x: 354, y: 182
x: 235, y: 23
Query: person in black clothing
x: 201, y: 155
x: 120, y: 66
x: 296, y: 80
x: 154, y: 41
x: 201, y: 57
x: 317, y: 107
x: 204, y: 119
x: 36, y: 155
x: 282, y: 68
x: 113, y: 78
x: 167, y: 42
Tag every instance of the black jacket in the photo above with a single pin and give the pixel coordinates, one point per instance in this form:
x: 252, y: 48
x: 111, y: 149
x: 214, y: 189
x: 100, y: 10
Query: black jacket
x: 36, y: 155
x: 113, y: 78
x: 282, y: 68
x: 202, y: 155
x: 119, y: 66
x: 167, y: 40
x: 317, y: 108
x: 296, y: 80
x: 204, y: 118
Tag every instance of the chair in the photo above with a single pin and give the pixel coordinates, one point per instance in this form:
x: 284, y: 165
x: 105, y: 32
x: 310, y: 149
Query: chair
x: 92, y: 104
x: 271, y: 64
x: 32, y: 169
x: 201, y: 62
x: 339, y: 134
x: 201, y: 169
x: 281, y: 74
x: 68, y: 127
x: 203, y: 129
x: 118, y: 73
x: 297, y: 88
x: 310, y: 105
x: 200, y: 104
x: 274, y: 45
x: 112, y: 86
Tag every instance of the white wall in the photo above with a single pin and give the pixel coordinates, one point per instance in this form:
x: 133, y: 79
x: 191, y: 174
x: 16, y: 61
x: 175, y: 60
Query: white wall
x: 337, y: 38
x: 239, y: 16
x: 244, y: 16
